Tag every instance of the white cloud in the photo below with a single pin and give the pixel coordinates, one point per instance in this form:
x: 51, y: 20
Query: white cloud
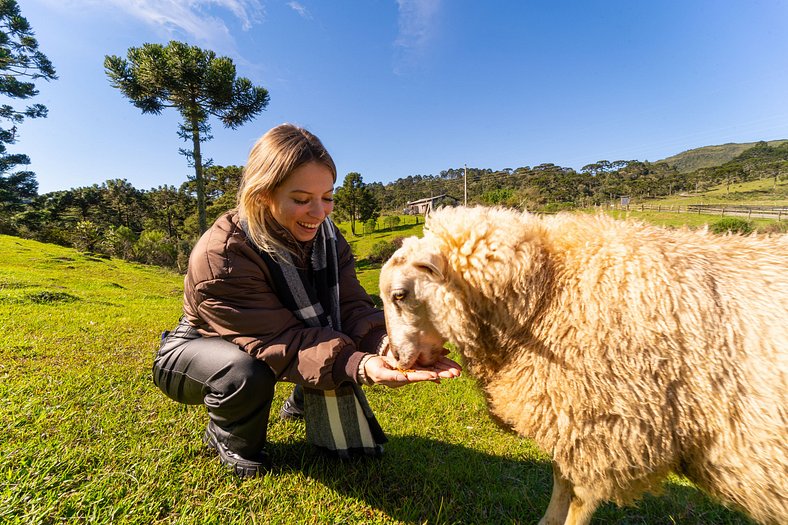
x: 202, y: 20
x: 415, y: 22
x: 300, y: 9
x: 191, y: 16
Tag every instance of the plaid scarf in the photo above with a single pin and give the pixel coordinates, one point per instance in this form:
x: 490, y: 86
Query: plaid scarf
x: 340, y: 421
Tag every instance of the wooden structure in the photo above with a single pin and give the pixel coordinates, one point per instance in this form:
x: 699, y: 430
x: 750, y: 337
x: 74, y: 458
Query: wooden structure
x: 426, y: 205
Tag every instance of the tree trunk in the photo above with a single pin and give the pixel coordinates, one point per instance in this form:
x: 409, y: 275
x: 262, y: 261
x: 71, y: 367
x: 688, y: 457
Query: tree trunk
x: 198, y: 178
x: 353, y: 216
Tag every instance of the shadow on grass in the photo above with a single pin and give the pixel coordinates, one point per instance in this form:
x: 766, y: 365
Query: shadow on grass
x: 450, y: 483
x: 366, y: 264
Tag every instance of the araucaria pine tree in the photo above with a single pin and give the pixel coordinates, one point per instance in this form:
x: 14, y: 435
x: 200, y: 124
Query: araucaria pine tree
x: 194, y: 81
x: 21, y: 64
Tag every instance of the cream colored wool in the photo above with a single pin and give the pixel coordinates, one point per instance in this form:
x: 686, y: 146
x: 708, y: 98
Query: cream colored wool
x: 626, y: 351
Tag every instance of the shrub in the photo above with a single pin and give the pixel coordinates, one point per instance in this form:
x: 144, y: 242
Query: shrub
x: 502, y: 196
x: 391, y: 221
x: 184, y: 248
x: 86, y: 236
x: 774, y: 227
x: 382, y: 250
x: 153, y: 247
x: 119, y: 242
x: 731, y: 225
x: 370, y: 225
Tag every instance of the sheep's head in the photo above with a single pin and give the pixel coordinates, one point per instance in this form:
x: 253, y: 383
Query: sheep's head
x: 408, y: 283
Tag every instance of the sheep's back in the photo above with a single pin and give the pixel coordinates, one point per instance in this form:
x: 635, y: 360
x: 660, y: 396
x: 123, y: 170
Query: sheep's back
x: 653, y: 340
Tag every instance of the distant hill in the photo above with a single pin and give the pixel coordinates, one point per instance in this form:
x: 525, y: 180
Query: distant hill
x: 709, y: 156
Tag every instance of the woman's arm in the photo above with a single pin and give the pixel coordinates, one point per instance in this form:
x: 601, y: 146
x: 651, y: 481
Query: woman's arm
x: 228, y: 293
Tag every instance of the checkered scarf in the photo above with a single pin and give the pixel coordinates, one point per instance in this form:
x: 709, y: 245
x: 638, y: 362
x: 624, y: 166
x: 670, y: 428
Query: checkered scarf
x: 340, y: 420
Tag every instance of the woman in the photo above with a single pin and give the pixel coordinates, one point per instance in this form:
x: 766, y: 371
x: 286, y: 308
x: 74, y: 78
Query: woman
x: 271, y: 295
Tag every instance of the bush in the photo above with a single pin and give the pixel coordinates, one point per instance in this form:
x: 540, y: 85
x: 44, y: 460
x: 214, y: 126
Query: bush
x: 731, y: 225
x: 391, y: 221
x: 119, y: 242
x: 184, y: 248
x: 370, y: 225
x: 153, y: 247
x: 774, y: 227
x: 382, y: 250
x: 502, y: 196
x: 86, y: 236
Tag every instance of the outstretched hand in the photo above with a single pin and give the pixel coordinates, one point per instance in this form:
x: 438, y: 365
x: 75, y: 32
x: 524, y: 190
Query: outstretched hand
x: 382, y: 370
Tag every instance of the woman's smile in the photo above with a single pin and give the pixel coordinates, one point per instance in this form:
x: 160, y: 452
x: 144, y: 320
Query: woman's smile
x: 304, y: 200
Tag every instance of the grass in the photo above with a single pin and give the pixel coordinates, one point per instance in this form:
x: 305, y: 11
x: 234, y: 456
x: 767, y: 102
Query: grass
x: 87, y: 438
x: 678, y: 220
x: 362, y: 244
x: 709, y: 156
x: 753, y: 193
x: 761, y: 192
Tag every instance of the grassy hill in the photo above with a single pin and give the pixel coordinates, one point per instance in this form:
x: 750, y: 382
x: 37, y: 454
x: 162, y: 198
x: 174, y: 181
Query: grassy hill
x: 87, y: 437
x: 709, y: 156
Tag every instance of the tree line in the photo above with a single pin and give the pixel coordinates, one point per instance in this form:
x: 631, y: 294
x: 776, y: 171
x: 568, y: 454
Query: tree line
x: 548, y: 187
x: 159, y: 225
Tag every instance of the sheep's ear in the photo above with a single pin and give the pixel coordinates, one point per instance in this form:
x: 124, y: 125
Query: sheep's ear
x: 432, y: 263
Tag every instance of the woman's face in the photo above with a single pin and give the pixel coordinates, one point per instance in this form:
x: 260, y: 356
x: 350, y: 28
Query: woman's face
x: 304, y: 200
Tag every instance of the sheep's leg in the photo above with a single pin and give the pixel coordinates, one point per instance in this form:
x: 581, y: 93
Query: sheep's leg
x: 582, y: 507
x: 559, y: 500
x: 569, y: 505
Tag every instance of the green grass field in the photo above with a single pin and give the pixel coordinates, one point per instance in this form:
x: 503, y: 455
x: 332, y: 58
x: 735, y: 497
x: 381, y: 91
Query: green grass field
x: 762, y: 192
x: 86, y: 437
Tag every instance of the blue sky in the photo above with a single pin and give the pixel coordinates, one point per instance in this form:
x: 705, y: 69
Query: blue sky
x: 406, y: 87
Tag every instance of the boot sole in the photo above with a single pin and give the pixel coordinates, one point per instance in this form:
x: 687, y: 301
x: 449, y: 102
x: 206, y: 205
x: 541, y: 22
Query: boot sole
x: 239, y: 469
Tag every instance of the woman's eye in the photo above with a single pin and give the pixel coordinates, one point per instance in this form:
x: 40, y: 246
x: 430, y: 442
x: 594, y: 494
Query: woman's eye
x: 328, y: 199
x: 297, y: 201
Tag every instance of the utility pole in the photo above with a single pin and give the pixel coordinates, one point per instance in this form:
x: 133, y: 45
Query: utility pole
x: 466, y: 185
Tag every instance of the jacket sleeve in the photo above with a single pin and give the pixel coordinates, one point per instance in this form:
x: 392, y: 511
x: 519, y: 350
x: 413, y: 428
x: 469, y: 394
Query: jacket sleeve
x: 364, y: 323
x: 231, y: 296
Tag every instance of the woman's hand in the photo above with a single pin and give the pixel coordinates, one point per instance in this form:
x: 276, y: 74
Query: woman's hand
x: 382, y: 370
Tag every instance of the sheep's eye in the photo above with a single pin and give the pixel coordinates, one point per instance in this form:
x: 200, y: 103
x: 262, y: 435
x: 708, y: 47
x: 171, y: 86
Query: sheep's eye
x: 399, y: 295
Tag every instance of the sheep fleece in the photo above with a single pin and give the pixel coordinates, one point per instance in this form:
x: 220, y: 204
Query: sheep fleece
x: 626, y: 351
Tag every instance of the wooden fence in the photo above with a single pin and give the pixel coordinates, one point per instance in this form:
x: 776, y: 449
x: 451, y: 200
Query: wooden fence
x: 751, y: 212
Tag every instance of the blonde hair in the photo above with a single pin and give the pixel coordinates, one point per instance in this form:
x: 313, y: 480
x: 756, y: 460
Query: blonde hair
x: 272, y: 159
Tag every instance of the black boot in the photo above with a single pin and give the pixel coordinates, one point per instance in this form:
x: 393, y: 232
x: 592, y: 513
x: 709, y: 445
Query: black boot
x: 241, y: 466
x: 293, y: 407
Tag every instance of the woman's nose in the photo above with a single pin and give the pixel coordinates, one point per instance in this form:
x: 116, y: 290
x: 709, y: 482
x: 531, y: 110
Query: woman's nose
x: 316, y: 210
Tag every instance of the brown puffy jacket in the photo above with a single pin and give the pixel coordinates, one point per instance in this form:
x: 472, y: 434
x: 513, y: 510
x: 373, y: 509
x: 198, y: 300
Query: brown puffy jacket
x: 228, y: 293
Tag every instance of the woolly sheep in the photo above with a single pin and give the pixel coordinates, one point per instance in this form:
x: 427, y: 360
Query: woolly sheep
x: 625, y: 351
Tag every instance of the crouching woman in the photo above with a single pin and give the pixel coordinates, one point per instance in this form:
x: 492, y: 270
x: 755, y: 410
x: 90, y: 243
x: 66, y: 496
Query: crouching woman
x: 271, y: 295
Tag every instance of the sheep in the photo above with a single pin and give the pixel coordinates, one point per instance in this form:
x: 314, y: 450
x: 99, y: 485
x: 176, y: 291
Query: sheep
x: 625, y: 351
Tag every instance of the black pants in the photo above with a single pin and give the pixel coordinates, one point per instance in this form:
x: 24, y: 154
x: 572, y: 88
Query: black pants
x: 236, y: 388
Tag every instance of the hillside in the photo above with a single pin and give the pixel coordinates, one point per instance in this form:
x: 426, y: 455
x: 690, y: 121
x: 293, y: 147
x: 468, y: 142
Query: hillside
x: 709, y: 156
